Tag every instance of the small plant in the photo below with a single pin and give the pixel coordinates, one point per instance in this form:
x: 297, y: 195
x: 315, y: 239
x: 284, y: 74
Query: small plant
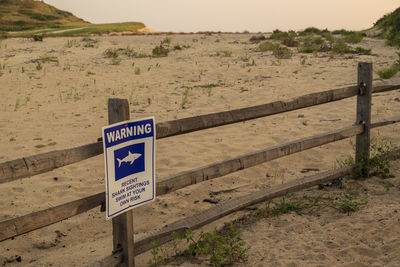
x: 137, y: 71
x: 381, y: 150
x: 185, y: 98
x: 111, y: 53
x: 167, y: 40
x: 37, y: 38
x: 115, y: 61
x: 12, y: 139
x: 222, y: 249
x: 39, y: 66
x: 157, y: 259
x: 387, y: 73
x: 160, y: 51
x: 307, y: 49
x: 47, y: 58
x: 72, y: 43
x: 224, y: 53
x: 362, y: 51
x: 341, y: 48
x: 346, y: 205
x: 177, y: 47
x: 89, y: 42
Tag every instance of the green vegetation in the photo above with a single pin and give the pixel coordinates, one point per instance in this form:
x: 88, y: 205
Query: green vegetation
x: 381, y: 150
x: 353, y: 37
x: 391, y: 71
x: 37, y: 38
x: 100, y: 29
x: 387, y: 73
x: 224, y: 53
x: 282, y: 52
x: 160, y: 51
x: 157, y: 258
x: 390, y: 27
x: 16, y: 15
x: 257, y: 38
x: 299, y: 206
x: 313, y: 40
x: 221, y: 248
x: 279, y: 35
x: 268, y: 46
x: 346, y: 205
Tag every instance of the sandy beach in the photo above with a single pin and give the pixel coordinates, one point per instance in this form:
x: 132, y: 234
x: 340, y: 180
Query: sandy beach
x: 54, y: 96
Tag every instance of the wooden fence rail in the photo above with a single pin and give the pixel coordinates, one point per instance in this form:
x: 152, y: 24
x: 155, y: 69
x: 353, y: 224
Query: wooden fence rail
x: 36, y: 164
x: 39, y: 219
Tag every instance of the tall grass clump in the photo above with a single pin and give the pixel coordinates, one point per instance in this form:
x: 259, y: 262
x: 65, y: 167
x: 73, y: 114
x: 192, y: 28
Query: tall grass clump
x: 387, y: 73
x: 160, y: 51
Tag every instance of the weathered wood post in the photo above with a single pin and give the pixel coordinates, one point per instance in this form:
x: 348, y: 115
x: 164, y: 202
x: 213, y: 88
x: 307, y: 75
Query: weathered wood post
x: 118, y: 110
x: 364, y: 82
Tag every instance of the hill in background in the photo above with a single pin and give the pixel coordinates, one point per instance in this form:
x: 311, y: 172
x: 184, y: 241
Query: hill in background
x: 21, y: 15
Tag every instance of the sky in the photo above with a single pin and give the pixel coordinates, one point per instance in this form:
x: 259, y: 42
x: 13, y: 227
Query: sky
x: 232, y: 15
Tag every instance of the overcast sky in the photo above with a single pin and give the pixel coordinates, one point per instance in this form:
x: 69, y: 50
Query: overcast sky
x: 232, y: 15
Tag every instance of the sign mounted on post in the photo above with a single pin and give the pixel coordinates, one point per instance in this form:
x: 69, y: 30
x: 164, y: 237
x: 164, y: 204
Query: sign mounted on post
x: 129, y: 154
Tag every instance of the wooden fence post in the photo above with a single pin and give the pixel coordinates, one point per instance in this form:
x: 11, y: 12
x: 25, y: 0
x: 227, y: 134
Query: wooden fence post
x: 118, y: 110
x: 364, y: 82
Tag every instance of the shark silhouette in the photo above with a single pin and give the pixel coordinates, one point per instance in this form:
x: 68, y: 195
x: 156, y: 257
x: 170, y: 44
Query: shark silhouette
x: 130, y: 158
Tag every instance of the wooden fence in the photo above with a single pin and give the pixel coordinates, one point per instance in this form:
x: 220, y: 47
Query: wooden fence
x: 123, y: 226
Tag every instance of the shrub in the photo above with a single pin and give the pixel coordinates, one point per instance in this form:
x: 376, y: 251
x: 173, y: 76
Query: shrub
x: 167, y: 40
x: 257, y: 38
x: 290, y: 41
x: 37, y: 38
x: 278, y: 35
x: 310, y: 30
x: 341, y: 48
x: 362, y: 51
x: 111, y: 53
x: 160, y: 51
x: 267, y: 46
x: 307, y: 49
x: 387, y: 73
x: 282, y: 52
x: 177, y: 47
x: 353, y: 38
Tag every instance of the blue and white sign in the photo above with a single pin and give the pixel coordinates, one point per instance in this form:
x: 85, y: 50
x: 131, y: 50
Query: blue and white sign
x: 129, y: 153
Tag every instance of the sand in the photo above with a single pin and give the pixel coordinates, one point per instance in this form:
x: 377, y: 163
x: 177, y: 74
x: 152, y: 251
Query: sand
x: 62, y: 103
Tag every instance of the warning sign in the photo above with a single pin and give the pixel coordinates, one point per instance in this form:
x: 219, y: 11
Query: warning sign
x: 129, y: 153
